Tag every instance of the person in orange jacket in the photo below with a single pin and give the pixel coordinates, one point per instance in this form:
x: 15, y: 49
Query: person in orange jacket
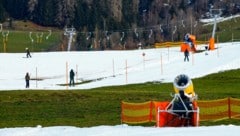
x: 188, y: 40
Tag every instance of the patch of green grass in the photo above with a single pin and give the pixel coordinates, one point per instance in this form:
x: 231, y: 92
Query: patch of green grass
x: 102, y: 106
x: 224, y: 33
x: 17, y: 38
x: 219, y: 85
x: 17, y: 41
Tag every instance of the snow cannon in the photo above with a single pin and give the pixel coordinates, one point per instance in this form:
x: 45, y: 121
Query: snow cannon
x: 183, y: 109
x: 184, y: 83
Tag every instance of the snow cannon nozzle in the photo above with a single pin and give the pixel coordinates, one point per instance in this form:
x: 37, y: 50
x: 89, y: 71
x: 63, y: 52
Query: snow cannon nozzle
x: 183, y: 83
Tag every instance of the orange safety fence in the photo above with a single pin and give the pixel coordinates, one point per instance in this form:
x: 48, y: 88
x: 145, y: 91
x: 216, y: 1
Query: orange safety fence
x: 227, y: 108
x: 137, y: 112
x: 219, y: 109
x: 235, y: 108
x: 173, y: 44
x: 213, y: 109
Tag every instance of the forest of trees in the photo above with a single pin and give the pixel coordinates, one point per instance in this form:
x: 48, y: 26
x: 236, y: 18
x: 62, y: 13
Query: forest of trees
x: 107, y: 24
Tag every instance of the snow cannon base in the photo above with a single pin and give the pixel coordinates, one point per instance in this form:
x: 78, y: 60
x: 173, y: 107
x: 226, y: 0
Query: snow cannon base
x: 177, y: 113
x: 183, y: 109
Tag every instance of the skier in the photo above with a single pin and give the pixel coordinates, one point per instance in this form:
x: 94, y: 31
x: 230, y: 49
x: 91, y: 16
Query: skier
x: 186, y: 54
x: 28, y: 53
x: 206, y: 49
x: 72, y: 74
x: 27, y: 78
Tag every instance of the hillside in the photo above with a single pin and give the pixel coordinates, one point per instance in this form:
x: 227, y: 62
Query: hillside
x: 119, y: 24
x: 19, y: 36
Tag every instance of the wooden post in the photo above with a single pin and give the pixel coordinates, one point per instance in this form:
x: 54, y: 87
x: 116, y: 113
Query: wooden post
x: 229, y: 108
x: 150, y: 114
x: 126, y: 72
x: 161, y: 65
x: 168, y: 53
x: 76, y: 73
x: 217, y: 47
x: 113, y: 68
x: 192, y: 58
x: 67, y: 75
x: 158, y: 117
x: 122, y: 117
x: 36, y: 78
x: 143, y: 54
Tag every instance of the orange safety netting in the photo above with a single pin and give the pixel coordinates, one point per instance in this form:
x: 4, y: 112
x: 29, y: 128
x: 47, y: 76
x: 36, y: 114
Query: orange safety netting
x: 209, y: 110
x: 174, y: 44
x: 166, y: 119
x: 219, y: 109
x: 235, y: 108
x: 213, y: 109
x: 137, y: 112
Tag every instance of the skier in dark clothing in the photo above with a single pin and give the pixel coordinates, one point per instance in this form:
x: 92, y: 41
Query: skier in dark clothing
x: 27, y: 78
x: 72, y: 74
x: 186, y: 54
x: 28, y: 53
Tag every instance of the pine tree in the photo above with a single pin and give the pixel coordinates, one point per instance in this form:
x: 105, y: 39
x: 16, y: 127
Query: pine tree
x: 128, y: 13
x: 16, y: 8
x: 31, y: 5
x: 65, y: 12
x: 2, y: 11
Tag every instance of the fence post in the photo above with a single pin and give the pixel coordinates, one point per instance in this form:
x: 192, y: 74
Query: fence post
x: 113, y: 67
x: 192, y: 58
x: 161, y: 64
x: 36, y: 77
x: 121, y: 112
x: 168, y: 51
x: 229, y: 108
x: 126, y: 72
x: 158, y: 117
x: 76, y: 74
x: 67, y: 75
x: 150, y: 112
